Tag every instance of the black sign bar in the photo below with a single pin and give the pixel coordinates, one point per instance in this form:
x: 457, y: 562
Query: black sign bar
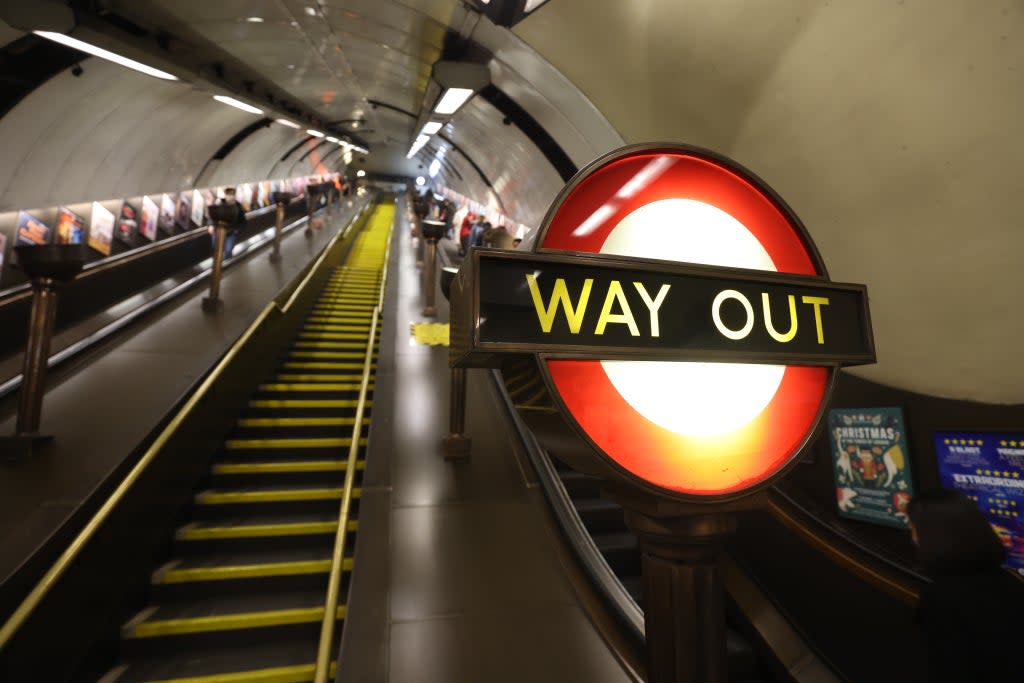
x: 598, y: 307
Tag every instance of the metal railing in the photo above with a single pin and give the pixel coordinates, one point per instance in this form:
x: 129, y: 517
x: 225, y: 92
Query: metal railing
x: 61, y: 565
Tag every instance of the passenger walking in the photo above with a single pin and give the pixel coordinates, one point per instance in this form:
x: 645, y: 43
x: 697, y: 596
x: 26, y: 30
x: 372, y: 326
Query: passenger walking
x: 971, y: 613
x: 235, y: 227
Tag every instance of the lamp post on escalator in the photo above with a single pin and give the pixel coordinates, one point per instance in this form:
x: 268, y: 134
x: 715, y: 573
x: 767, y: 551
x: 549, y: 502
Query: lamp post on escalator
x: 456, y: 445
x: 431, y: 231
x: 312, y: 200
x: 281, y: 199
x: 222, y: 215
x: 48, y: 267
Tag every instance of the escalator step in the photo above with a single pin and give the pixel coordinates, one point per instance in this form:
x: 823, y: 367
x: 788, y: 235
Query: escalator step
x: 257, y: 528
x: 292, y: 444
x: 153, y: 625
x: 179, y: 572
x: 278, y: 662
x: 298, y: 422
x: 315, y: 386
x: 272, y: 496
x: 323, y: 366
x: 306, y: 403
x: 283, y: 467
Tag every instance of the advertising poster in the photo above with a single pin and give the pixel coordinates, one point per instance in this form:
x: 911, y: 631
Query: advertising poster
x: 261, y: 195
x: 101, y: 229
x: 989, y: 469
x: 149, y: 218
x: 31, y: 230
x: 167, y: 208
x: 184, y: 217
x: 3, y: 252
x: 198, y: 207
x: 70, y: 227
x: 870, y: 464
x: 244, y: 194
x: 127, y: 224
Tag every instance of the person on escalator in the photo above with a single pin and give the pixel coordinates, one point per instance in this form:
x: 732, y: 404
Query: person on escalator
x: 236, y: 226
x: 971, y: 614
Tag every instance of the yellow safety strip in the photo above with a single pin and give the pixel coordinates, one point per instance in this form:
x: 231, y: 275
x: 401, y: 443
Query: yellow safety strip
x: 324, y: 354
x: 331, y: 344
x: 315, y: 386
x: 275, y: 496
x: 299, y: 673
x: 248, y: 571
x: 298, y: 442
x: 230, y: 622
x: 219, y: 533
x: 305, y: 403
x: 296, y: 422
x: 323, y: 366
x: 284, y: 467
x: 332, y: 377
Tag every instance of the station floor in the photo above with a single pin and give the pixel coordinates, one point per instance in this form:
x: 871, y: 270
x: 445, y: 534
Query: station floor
x: 458, y: 571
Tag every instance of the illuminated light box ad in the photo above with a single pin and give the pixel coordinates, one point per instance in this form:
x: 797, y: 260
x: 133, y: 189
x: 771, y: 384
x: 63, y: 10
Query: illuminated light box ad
x: 198, y: 207
x: 989, y: 469
x: 148, y: 219
x: 184, y: 215
x: 167, y: 210
x: 127, y: 224
x: 870, y: 464
x: 101, y: 232
x: 31, y: 230
x: 70, y: 227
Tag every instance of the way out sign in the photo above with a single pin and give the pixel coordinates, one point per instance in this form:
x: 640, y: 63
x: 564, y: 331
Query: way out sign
x: 678, y: 318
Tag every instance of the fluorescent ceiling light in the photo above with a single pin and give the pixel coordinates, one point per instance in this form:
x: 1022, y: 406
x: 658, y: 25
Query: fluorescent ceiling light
x: 311, y: 11
x: 417, y: 146
x: 230, y: 101
x: 254, y: 20
x: 105, y: 54
x: 435, y: 166
x: 360, y: 173
x: 532, y: 5
x: 286, y: 122
x: 453, y: 99
x: 361, y: 150
x: 315, y: 133
x: 432, y: 127
x: 421, y: 181
x: 332, y: 139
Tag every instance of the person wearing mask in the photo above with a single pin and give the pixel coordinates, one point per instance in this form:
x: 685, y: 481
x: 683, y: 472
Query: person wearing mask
x: 971, y: 614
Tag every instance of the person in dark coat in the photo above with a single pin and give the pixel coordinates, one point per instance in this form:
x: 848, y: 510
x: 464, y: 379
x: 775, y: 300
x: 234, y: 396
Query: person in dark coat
x: 972, y: 613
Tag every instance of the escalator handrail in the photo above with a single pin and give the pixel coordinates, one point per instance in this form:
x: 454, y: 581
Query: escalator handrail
x: 572, y: 527
x: 885, y: 574
x: 61, y: 565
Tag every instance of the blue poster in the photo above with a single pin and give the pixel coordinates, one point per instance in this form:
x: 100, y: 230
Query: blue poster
x: 989, y: 469
x: 870, y: 464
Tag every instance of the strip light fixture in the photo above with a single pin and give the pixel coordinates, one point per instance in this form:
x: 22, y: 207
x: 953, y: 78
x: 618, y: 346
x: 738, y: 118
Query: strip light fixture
x: 417, y: 146
x: 315, y: 133
x: 452, y: 99
x: 232, y: 102
x: 105, y: 54
x: 432, y: 127
x: 286, y: 122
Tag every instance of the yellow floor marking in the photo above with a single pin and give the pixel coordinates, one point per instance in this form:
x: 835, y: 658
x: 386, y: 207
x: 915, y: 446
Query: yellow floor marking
x: 296, y: 422
x: 284, y: 467
x: 432, y: 334
x: 230, y: 622
x: 278, y: 496
x: 299, y: 673
x: 216, y: 533
x: 248, y: 571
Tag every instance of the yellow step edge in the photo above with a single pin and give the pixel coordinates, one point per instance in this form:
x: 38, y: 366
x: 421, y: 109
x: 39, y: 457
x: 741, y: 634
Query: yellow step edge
x: 301, y: 378
x: 325, y: 354
x: 247, y: 571
x: 324, y: 366
x: 274, y: 496
x: 219, y: 533
x: 228, y: 622
x: 284, y: 467
x: 328, y: 334
x: 334, y: 321
x: 332, y: 344
x: 314, y: 386
x: 299, y: 673
x: 337, y: 328
x: 296, y: 422
x: 295, y: 442
x: 306, y: 403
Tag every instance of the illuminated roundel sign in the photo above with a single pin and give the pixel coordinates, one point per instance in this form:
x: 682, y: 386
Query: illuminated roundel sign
x: 685, y: 323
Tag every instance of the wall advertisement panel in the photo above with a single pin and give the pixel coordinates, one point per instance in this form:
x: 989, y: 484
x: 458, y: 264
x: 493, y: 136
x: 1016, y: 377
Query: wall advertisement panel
x: 70, y: 227
x: 101, y: 231
x: 989, y: 469
x: 31, y: 230
x: 128, y: 223
x: 198, y: 207
x: 870, y: 464
x: 149, y: 218
x: 184, y: 217
x: 3, y: 252
x: 167, y: 209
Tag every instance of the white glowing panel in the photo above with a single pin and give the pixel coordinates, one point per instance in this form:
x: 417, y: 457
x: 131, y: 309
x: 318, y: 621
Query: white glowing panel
x: 694, y: 399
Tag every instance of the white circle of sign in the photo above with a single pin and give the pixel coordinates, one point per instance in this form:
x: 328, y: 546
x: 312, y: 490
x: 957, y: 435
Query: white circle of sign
x: 692, y: 399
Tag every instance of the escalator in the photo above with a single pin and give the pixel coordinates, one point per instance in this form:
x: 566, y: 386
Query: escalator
x: 240, y: 596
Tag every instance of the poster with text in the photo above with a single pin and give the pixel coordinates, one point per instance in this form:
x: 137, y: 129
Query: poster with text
x: 184, y: 219
x: 31, y: 230
x: 149, y: 218
x: 989, y: 469
x: 101, y: 229
x: 166, y: 222
x: 870, y: 464
x: 70, y: 227
x: 128, y: 223
x: 198, y: 207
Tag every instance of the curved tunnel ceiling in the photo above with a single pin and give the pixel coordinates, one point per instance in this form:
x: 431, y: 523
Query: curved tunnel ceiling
x: 891, y: 128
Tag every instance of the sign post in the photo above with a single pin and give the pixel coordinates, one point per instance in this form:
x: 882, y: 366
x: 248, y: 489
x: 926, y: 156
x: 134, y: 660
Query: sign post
x: 683, y: 340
